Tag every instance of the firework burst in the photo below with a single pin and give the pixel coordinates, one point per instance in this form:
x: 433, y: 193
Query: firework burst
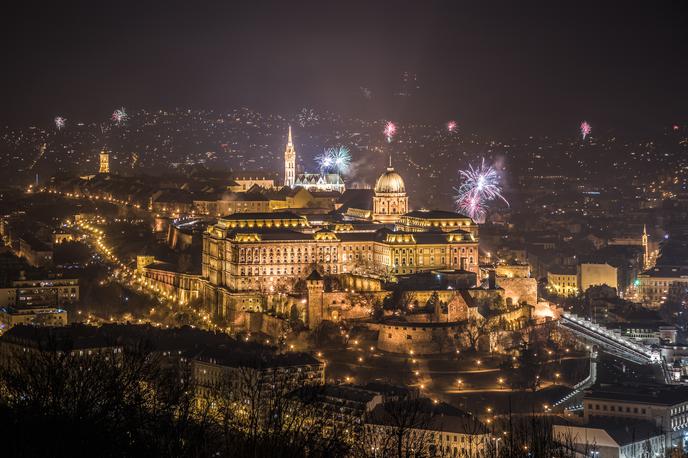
x: 451, y: 126
x: 341, y: 159
x: 471, y: 205
x: 585, y: 129
x: 390, y: 131
x: 334, y: 160
x: 479, y: 186
x: 324, y: 161
x: 60, y: 122
x: 120, y: 115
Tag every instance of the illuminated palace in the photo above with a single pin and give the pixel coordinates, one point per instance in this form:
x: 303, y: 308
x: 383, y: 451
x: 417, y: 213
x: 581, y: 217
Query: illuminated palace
x: 270, y: 252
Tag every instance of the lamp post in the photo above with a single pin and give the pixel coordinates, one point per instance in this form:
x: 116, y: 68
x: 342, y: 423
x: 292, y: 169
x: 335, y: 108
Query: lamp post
x: 497, y: 439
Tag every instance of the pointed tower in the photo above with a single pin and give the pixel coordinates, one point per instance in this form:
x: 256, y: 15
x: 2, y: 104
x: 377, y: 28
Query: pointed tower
x: 646, y: 249
x: 289, y: 162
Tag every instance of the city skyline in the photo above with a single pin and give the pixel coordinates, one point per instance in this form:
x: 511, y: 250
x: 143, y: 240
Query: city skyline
x: 344, y: 229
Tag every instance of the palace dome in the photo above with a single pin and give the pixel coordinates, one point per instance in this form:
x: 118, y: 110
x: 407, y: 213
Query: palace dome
x: 390, y: 182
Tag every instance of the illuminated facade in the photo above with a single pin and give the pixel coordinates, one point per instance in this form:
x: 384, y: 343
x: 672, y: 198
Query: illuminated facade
x: 662, y: 283
x: 390, y: 200
x: 320, y: 182
x: 104, y: 162
x: 563, y: 282
x: 270, y: 251
x: 430, y: 220
x: 36, y: 293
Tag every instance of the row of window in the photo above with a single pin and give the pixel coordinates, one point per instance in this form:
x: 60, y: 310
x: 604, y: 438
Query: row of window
x: 280, y: 271
x: 606, y: 408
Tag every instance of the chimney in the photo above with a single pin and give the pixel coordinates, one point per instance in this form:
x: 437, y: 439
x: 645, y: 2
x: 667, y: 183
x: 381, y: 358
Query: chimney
x: 492, y: 279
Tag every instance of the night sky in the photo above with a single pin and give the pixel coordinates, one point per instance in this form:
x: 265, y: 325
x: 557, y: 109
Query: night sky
x: 499, y: 67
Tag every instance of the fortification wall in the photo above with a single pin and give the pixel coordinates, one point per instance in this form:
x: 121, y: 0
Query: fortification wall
x: 519, y: 289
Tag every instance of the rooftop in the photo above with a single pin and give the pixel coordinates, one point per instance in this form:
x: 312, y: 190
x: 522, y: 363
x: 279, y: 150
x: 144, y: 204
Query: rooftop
x: 666, y: 271
x: 666, y: 395
x: 435, y: 214
x: 262, y: 216
x: 432, y: 417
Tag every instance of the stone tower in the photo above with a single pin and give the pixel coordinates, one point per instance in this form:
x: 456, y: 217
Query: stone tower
x: 289, y: 162
x: 104, y: 162
x: 316, y: 289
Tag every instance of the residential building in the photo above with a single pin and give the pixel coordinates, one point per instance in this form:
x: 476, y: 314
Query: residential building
x: 662, y: 283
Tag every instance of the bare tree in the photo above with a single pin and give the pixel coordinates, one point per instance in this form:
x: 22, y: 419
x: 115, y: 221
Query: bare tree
x: 398, y: 428
x: 474, y: 329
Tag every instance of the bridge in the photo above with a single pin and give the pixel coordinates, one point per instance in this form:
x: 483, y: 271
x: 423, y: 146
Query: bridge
x: 581, y: 386
x: 610, y: 341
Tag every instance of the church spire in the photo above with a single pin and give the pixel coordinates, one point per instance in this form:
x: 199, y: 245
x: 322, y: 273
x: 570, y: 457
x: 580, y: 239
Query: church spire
x: 289, y: 162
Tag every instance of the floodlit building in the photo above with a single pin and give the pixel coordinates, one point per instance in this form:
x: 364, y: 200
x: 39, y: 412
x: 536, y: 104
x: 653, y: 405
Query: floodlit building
x: 662, y: 283
x: 596, y: 275
x: 664, y: 406
x: 563, y: 281
x: 40, y: 292
x: 38, y: 316
x: 612, y: 440
x: 438, y: 429
x: 390, y: 200
x: 104, y: 162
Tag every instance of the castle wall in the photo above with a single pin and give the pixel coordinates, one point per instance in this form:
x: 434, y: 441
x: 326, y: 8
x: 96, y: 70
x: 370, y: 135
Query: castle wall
x: 360, y: 283
x: 265, y: 324
x: 422, y: 340
x: 519, y: 289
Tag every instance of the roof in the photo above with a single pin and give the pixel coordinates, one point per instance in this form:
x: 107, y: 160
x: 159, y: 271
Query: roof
x: 216, y: 348
x: 326, y: 194
x: 431, y: 417
x: 666, y: 272
x: 562, y: 270
x: 361, y: 199
x: 63, y: 338
x: 283, y: 192
x: 255, y: 356
x: 435, y: 214
x: 314, y: 275
x: 256, y: 175
x: 174, y: 196
x: 271, y: 234
x: 665, y: 395
x: 248, y: 196
x: 609, y: 433
x: 315, y: 178
x: 390, y: 182
x: 347, y: 393
x: 262, y: 215
x: 159, y: 265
